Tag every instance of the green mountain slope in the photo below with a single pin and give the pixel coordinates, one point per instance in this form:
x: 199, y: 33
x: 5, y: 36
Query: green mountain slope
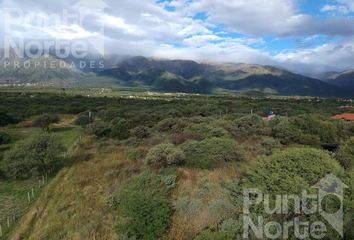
x: 190, y: 76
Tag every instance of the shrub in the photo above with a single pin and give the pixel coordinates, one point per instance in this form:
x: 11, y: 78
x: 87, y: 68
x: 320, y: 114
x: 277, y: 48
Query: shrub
x: 98, y: 128
x: 205, y: 130
x: 33, y: 157
x: 251, y: 125
x: 297, y: 168
x: 291, y: 171
x: 214, y: 235
x: 268, y: 145
x: 140, y: 132
x: 146, y: 207
x: 212, y: 152
x: 165, y: 155
x: 83, y: 120
x: 45, y: 120
x: 166, y: 124
x: 120, y: 130
x: 6, y: 119
x: 5, y: 138
x: 345, y: 155
x: 170, y: 181
x: 178, y: 138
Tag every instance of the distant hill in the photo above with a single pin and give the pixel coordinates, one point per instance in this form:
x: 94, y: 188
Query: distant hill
x: 344, y: 79
x: 162, y: 75
x: 45, y: 70
x: 190, y: 76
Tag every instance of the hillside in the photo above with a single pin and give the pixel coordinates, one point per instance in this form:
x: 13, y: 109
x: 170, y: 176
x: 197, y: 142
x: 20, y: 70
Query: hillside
x: 164, y: 168
x: 162, y: 75
x: 45, y: 70
x: 344, y: 79
x: 190, y: 76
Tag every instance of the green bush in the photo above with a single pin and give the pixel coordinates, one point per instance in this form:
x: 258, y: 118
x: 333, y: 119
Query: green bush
x: 5, y: 138
x: 98, y: 128
x: 140, y: 132
x: 345, y: 154
x: 146, y: 208
x: 268, y: 145
x: 33, y: 157
x: 164, y: 155
x: 291, y: 170
x: 121, y: 129
x: 206, y: 130
x: 6, y: 119
x: 212, y: 152
x: 251, y: 125
x: 166, y: 125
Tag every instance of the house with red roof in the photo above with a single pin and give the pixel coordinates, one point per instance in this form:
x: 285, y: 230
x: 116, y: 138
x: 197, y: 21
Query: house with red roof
x: 345, y: 116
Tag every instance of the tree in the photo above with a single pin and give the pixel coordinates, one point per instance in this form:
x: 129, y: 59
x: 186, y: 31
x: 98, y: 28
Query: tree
x: 45, y: 120
x: 251, y: 125
x: 345, y: 154
x: 145, y: 203
x: 165, y: 155
x: 98, y: 128
x: 6, y: 119
x: 5, y: 138
x: 121, y: 129
x: 83, y: 120
x: 33, y: 157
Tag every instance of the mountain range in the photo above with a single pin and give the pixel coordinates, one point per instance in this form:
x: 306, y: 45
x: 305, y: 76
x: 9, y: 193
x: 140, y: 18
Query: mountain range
x: 344, y: 79
x: 172, y: 75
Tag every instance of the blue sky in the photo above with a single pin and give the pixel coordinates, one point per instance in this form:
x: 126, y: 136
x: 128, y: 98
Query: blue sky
x: 305, y: 36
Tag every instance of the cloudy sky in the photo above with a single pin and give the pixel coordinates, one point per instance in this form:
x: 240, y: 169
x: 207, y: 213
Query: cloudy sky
x: 305, y: 36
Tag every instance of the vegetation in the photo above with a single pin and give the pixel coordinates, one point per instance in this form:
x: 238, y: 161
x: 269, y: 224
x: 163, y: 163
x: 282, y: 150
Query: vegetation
x: 345, y: 154
x: 212, y: 152
x: 5, y: 138
x: 144, y: 202
x: 165, y: 155
x: 44, y: 121
x: 155, y: 166
x: 33, y: 157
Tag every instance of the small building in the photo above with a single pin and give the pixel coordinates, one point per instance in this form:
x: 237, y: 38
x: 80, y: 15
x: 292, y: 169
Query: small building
x: 345, y: 116
x: 270, y: 116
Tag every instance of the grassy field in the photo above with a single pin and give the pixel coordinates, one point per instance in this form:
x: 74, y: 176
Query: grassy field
x: 74, y: 205
x: 14, y: 202
x: 14, y: 194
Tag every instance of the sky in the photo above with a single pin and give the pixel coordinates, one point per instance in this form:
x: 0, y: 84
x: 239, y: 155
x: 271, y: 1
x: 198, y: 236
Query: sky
x: 305, y: 36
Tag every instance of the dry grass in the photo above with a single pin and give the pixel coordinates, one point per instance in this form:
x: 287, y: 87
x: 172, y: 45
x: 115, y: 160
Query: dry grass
x: 74, y: 204
x: 208, y: 202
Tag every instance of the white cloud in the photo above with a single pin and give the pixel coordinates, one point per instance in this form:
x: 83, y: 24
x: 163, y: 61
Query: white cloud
x: 121, y: 24
x: 137, y: 27
x: 348, y: 3
x: 335, y: 8
x: 325, y: 57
